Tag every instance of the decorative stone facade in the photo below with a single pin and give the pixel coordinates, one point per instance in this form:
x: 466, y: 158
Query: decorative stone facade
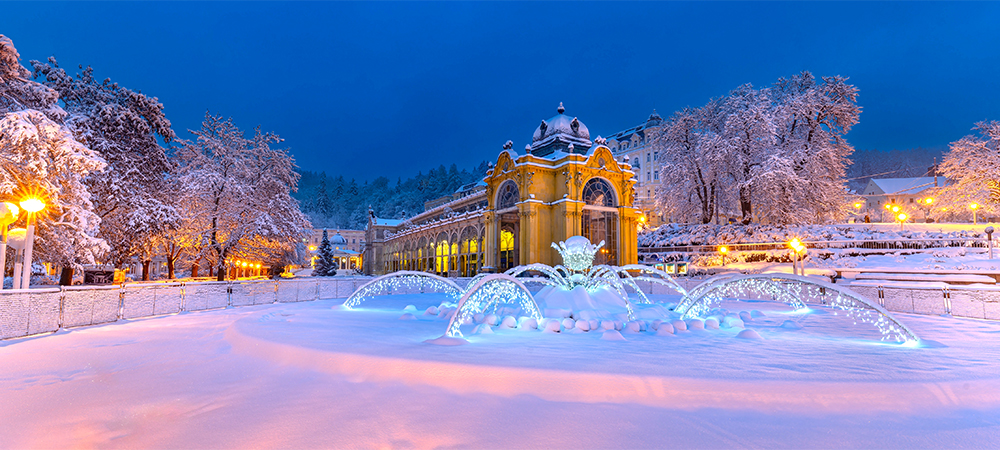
x: 565, y: 185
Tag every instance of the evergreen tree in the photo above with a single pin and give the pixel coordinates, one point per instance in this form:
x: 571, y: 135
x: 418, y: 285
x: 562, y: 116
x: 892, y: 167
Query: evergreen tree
x: 322, y: 199
x: 326, y: 265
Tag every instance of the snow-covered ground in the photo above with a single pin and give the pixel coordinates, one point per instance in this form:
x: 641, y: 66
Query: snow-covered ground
x: 313, y: 375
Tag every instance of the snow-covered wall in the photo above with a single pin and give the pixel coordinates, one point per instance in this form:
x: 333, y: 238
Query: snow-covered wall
x: 672, y: 235
x: 24, y: 312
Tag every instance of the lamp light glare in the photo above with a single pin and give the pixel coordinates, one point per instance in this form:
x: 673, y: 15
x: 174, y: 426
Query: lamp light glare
x: 32, y: 205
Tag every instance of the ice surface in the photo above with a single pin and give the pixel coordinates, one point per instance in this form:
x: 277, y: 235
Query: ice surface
x: 277, y: 375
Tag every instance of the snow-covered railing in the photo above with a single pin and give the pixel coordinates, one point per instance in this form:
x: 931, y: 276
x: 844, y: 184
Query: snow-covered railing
x: 26, y: 312
x: 866, y: 244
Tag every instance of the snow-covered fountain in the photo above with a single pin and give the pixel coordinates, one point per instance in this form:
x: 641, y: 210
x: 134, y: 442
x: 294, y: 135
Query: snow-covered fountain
x: 581, y: 297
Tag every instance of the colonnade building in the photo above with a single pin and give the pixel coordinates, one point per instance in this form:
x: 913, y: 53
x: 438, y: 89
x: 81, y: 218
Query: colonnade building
x: 563, y: 185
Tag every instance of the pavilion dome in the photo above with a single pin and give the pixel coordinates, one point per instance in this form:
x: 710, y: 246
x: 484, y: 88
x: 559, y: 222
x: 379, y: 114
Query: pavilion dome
x: 560, y: 124
x: 337, y: 239
x: 561, y: 129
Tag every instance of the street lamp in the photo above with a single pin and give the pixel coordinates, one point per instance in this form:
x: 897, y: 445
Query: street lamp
x: 33, y: 205
x: 797, y: 248
x: 8, y: 214
x: 974, y: 206
x: 722, y: 251
x: 902, y: 218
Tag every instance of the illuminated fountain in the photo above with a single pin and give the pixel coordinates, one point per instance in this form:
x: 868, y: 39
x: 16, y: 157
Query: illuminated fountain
x: 581, y: 295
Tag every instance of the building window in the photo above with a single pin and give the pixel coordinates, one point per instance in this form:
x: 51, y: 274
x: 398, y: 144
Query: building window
x: 647, y: 157
x: 598, y: 192
x: 656, y: 156
x: 508, y: 195
x: 656, y: 175
x: 647, y: 176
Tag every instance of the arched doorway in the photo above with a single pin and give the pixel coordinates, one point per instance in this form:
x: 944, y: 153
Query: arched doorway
x: 507, y: 240
x: 599, y: 221
x: 441, y: 251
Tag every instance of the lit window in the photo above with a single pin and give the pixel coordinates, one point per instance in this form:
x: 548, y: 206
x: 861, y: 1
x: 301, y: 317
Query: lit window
x: 597, y: 192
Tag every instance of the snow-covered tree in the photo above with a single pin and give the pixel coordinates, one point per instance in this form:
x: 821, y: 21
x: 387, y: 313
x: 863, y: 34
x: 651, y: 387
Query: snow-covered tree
x: 776, y: 154
x: 39, y: 156
x: 239, y: 190
x: 689, y: 180
x: 326, y: 264
x: 812, y: 119
x: 972, y: 166
x: 123, y: 126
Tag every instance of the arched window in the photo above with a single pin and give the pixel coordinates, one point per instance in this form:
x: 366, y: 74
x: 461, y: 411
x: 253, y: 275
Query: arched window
x: 598, y: 192
x: 508, y: 195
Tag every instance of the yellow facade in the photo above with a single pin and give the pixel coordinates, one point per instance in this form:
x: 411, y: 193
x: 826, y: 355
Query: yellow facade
x: 564, y: 185
x: 551, y: 207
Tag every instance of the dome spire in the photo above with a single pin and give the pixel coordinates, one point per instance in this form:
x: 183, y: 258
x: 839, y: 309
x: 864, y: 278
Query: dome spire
x: 561, y: 109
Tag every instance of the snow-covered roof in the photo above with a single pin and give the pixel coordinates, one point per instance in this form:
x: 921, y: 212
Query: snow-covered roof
x: 387, y: 222
x: 640, y: 130
x: 561, y: 129
x: 902, y: 185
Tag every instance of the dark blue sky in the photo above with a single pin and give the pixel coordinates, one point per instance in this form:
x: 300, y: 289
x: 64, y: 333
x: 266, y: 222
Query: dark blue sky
x: 369, y: 89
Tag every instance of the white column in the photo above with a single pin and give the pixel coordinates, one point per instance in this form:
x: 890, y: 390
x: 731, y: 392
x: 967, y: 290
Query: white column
x: 29, y: 241
x: 3, y: 257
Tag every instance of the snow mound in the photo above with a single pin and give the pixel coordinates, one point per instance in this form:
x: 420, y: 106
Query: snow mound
x: 665, y: 329
x: 696, y: 324
x: 679, y: 325
x: 447, y: 341
x: 482, y: 329
x: 552, y: 326
x: 756, y: 313
x: 568, y: 324
x: 528, y: 324
x: 790, y: 325
x: 582, y: 325
x: 745, y: 316
x: 410, y: 308
x: 492, y: 319
x: 431, y: 311
x: 509, y: 322
x: 612, y: 335
x: 408, y: 316
x: 712, y: 323
x: 749, y: 334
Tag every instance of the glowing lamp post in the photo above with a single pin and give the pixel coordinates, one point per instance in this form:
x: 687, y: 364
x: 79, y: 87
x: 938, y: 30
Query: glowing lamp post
x: 722, y: 251
x: 8, y: 214
x: 797, y: 248
x: 32, y: 206
x: 901, y: 218
x: 989, y: 239
x: 974, y: 206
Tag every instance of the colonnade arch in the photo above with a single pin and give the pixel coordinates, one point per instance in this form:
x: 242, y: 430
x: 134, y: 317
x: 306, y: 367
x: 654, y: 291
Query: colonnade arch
x: 452, y: 250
